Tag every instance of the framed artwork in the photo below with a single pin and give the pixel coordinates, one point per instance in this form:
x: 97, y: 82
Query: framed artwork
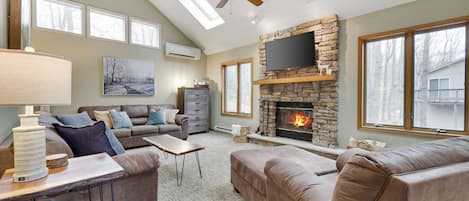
x: 124, y: 77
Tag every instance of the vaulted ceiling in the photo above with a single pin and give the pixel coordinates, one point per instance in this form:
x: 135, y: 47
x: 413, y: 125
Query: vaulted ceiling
x: 271, y: 16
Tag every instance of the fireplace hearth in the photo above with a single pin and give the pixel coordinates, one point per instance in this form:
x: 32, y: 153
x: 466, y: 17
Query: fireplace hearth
x: 295, y: 120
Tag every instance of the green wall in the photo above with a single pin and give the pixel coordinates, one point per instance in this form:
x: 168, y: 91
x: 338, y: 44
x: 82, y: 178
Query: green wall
x: 418, y: 12
x: 213, y: 71
x: 86, y: 55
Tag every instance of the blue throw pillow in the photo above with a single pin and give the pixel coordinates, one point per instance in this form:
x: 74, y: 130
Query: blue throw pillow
x: 76, y: 120
x: 157, y: 117
x: 120, y: 119
x: 115, y: 144
x: 86, y: 140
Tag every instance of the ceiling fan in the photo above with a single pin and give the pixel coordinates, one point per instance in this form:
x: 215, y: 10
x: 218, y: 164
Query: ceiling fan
x: 222, y: 3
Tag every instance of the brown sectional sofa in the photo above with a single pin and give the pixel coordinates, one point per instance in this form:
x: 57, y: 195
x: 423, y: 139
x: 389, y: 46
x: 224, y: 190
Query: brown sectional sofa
x: 132, y: 137
x: 429, y: 171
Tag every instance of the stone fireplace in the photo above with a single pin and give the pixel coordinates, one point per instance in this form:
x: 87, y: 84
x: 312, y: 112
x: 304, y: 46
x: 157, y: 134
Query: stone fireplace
x: 315, y: 102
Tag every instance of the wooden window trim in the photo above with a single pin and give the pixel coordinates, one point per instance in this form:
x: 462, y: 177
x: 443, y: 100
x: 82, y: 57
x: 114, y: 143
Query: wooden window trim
x: 408, y: 33
x: 237, y: 63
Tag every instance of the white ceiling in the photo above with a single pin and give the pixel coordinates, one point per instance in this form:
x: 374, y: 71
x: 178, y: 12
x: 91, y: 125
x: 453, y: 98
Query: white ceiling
x: 273, y: 15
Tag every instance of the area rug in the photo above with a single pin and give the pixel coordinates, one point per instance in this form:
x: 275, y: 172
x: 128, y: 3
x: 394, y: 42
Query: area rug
x: 215, y: 162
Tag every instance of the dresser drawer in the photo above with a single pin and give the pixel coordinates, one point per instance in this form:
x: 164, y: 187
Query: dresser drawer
x: 197, y: 104
x: 193, y: 118
x: 196, y: 111
x: 198, y: 126
x: 196, y: 98
x: 197, y: 92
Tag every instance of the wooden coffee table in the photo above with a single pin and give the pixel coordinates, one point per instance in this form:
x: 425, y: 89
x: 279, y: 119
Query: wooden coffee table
x: 176, y: 147
x: 84, y: 171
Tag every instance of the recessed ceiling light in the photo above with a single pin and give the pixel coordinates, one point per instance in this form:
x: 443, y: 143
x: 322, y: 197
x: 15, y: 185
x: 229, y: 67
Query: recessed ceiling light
x: 203, y: 12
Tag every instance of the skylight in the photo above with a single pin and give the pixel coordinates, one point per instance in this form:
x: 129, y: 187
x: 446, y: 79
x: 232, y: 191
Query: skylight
x: 203, y: 12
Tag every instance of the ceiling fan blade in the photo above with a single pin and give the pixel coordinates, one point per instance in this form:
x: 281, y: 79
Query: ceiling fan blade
x: 256, y: 2
x: 222, y: 3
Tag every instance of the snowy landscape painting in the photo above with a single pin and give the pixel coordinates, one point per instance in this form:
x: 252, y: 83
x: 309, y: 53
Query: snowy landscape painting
x: 128, y: 76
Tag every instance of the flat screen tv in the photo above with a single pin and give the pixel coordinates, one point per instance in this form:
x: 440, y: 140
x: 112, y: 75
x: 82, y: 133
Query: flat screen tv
x: 292, y: 52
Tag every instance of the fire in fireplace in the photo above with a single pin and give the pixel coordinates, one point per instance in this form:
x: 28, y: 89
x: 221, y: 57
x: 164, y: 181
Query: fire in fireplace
x: 295, y: 120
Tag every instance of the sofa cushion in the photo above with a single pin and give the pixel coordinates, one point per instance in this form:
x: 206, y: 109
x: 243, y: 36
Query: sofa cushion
x: 90, y: 109
x: 86, y: 140
x: 136, y: 110
x: 158, y: 107
x: 157, y: 117
x: 166, y: 128
x: 122, y: 132
x: 139, y: 120
x: 75, y: 120
x: 369, y: 172
x: 249, y: 164
x: 171, y: 115
x: 47, y: 119
x: 104, y: 116
x: 120, y: 119
x: 144, y: 130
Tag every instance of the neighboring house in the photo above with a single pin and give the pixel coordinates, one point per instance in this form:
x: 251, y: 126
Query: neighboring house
x: 444, y: 96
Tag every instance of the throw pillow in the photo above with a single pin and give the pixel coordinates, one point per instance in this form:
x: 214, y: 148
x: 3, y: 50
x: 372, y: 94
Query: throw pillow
x: 104, y: 116
x: 120, y: 119
x: 76, y: 120
x: 157, y: 117
x: 47, y: 119
x: 171, y: 115
x: 115, y: 144
x: 86, y: 140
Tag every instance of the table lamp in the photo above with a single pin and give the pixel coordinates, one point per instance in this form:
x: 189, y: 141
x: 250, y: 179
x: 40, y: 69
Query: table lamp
x: 27, y: 79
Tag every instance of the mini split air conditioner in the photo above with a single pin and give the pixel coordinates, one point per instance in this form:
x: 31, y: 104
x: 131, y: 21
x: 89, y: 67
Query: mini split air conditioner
x: 181, y: 51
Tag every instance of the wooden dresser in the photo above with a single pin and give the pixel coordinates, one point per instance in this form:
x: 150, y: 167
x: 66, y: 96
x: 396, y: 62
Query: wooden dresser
x: 194, y: 102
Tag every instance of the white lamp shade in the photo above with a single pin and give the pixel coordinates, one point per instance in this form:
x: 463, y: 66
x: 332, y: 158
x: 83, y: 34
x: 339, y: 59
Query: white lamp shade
x: 28, y: 78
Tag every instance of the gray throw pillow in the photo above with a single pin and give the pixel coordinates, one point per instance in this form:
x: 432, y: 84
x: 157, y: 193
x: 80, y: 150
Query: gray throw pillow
x: 76, y: 120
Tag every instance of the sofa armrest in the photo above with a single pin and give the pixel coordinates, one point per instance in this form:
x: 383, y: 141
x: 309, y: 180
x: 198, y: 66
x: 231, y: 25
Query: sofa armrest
x: 183, y: 121
x: 347, y: 155
x: 138, y: 161
x: 296, y: 182
x: 433, y: 184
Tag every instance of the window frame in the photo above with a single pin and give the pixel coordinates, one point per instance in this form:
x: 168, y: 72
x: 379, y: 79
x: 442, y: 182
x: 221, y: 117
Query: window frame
x: 111, y: 13
x: 223, y: 101
x: 83, y: 18
x: 157, y: 25
x: 408, y: 33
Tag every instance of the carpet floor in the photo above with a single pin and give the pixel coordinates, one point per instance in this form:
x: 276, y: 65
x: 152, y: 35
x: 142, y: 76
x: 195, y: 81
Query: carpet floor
x: 215, y: 162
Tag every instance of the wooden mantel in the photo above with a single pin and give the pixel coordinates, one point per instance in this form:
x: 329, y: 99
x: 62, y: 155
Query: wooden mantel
x: 314, y: 78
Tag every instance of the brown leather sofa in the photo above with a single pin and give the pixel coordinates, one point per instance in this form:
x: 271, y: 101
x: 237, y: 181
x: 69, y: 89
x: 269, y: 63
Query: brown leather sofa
x: 140, y: 181
x: 132, y: 137
x: 429, y: 171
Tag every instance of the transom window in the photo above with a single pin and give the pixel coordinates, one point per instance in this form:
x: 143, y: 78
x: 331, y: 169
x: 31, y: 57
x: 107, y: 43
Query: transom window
x: 413, y: 80
x: 59, y: 15
x: 144, y: 33
x: 237, y: 88
x: 107, y: 25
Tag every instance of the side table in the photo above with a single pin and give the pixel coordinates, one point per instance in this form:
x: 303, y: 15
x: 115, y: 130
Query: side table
x: 83, y: 171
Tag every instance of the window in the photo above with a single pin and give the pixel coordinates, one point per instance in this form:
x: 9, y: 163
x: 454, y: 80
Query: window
x: 107, y: 25
x: 59, y: 15
x: 438, y: 53
x: 144, y: 33
x: 203, y: 12
x: 413, y: 80
x: 237, y: 88
x: 385, y: 82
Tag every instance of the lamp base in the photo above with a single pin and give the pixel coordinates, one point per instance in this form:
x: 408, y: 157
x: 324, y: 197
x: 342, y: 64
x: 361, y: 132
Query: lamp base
x: 37, y: 174
x: 29, y: 144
